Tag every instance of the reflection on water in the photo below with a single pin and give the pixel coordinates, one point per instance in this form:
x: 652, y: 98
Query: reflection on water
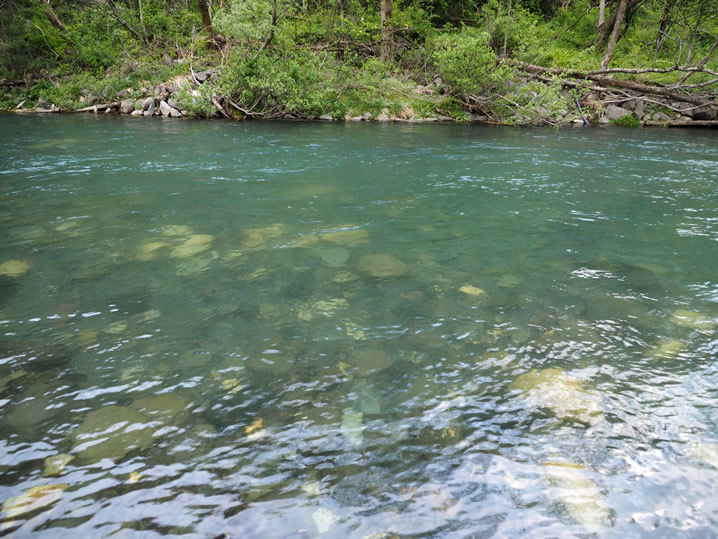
x: 365, y: 331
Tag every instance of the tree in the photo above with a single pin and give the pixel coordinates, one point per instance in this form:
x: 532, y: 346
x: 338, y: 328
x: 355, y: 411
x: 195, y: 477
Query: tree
x: 620, y: 14
x: 206, y: 19
x: 387, y: 32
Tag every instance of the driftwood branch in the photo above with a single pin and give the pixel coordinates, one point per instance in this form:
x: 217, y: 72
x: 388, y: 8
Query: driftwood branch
x: 616, y: 83
x: 638, y: 71
x: 95, y: 108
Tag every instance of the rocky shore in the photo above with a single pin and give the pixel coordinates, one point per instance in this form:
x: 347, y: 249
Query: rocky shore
x: 174, y: 98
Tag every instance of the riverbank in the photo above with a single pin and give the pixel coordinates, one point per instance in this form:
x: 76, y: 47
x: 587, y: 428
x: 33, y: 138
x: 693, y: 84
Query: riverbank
x: 195, y: 96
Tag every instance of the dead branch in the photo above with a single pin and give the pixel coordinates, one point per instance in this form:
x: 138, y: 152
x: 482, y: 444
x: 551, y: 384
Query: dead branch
x: 610, y: 81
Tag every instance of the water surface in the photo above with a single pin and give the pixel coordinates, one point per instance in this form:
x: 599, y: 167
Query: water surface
x: 290, y: 330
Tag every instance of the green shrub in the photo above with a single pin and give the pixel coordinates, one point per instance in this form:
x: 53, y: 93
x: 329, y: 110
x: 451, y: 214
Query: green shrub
x: 282, y: 80
x: 627, y: 121
x: 467, y: 64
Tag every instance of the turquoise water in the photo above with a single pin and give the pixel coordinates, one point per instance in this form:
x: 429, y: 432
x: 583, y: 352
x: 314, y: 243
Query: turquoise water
x: 329, y: 330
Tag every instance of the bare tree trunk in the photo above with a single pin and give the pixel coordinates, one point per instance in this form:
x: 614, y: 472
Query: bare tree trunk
x: 206, y: 19
x: 701, y: 64
x: 506, y: 31
x: 123, y: 22
x: 53, y: 18
x: 620, y: 14
x: 663, y: 25
x: 601, y: 13
x: 386, y: 52
x: 142, y: 17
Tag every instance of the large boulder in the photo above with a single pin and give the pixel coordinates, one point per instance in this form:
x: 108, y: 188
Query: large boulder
x: 616, y: 113
x: 127, y: 106
x: 703, y: 113
x: 150, y: 111
x: 147, y: 103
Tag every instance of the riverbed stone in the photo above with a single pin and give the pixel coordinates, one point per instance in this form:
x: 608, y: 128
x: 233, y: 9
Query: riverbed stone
x: 111, y: 432
x: 616, y: 113
x: 382, y: 118
x: 333, y: 256
x: 55, y: 465
x: 151, y: 109
x: 147, y: 103
x: 326, y: 117
x: 561, y: 393
x: 661, y: 117
x: 127, y: 106
x: 14, y: 268
x: 382, y: 265
x: 347, y: 236
x: 579, y: 495
x: 194, y: 244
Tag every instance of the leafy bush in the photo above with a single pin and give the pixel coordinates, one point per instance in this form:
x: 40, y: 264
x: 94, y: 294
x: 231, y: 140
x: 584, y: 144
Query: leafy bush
x: 283, y: 80
x: 467, y: 64
x: 627, y: 121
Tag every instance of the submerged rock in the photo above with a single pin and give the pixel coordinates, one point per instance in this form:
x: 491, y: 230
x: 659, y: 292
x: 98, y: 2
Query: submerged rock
x: 7, y: 380
x: 382, y: 265
x: 370, y: 361
x: 668, y: 349
x: 352, y: 427
x: 111, y: 432
x: 193, y: 266
x: 322, y: 308
x: 55, y: 465
x: 194, y: 244
x: 334, y: 256
x: 508, y: 281
x: 706, y: 452
x: 693, y: 320
x: 578, y: 494
x: 166, y: 408
x: 149, y: 250
x: 259, y: 238
x: 173, y: 231
x: 565, y: 396
x: 324, y: 519
x: 32, y: 499
x: 14, y: 268
x: 472, y: 290
x: 348, y: 236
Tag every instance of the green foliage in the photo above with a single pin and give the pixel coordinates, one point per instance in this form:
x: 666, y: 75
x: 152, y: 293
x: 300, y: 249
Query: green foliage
x: 532, y: 101
x: 627, y: 121
x: 277, y: 80
x: 466, y: 62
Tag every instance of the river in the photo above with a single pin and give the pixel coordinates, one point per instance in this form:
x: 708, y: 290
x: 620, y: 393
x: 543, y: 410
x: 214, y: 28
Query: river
x: 339, y: 330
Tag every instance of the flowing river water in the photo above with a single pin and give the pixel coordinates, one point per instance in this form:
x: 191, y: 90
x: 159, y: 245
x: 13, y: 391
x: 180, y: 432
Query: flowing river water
x: 330, y: 330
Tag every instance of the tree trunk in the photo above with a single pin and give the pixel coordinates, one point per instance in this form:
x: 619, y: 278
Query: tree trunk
x: 620, y: 14
x: 663, y: 25
x: 701, y: 64
x: 387, y: 33
x: 116, y: 14
x: 601, y: 13
x: 506, y: 31
x: 53, y: 18
x: 206, y: 19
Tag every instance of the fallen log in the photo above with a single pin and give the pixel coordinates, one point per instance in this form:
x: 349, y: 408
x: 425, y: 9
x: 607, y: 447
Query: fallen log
x: 694, y: 123
x: 610, y: 81
x: 103, y: 106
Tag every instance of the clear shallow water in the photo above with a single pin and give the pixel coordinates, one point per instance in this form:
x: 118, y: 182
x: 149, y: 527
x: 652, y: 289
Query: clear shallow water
x: 289, y: 330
